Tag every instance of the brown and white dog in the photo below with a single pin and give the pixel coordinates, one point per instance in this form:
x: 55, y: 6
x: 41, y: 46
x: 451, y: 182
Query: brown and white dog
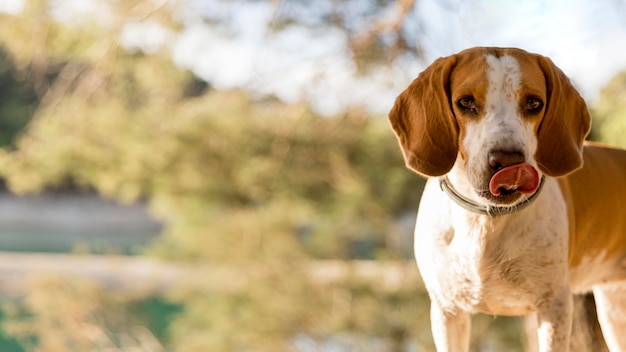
x: 510, y: 221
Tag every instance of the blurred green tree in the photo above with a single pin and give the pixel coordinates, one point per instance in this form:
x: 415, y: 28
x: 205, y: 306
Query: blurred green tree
x: 71, y: 314
x: 17, y: 100
x: 609, y: 113
x: 260, y: 187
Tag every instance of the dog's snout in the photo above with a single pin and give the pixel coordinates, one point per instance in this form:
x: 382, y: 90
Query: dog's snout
x: 499, y: 159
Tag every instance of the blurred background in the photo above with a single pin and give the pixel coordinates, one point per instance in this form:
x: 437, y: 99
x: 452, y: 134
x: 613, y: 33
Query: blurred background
x: 213, y: 175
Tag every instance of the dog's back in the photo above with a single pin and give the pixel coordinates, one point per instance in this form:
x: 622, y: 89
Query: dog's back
x: 595, y: 193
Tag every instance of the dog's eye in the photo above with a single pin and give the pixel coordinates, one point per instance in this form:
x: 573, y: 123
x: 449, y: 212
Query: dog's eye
x: 467, y: 103
x: 533, y: 104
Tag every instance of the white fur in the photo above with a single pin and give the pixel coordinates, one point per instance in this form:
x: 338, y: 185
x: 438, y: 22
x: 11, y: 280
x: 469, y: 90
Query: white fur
x: 509, y: 265
x: 610, y: 303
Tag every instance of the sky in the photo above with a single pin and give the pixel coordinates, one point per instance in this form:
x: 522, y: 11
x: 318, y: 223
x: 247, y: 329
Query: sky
x: 586, y: 38
x: 228, y: 43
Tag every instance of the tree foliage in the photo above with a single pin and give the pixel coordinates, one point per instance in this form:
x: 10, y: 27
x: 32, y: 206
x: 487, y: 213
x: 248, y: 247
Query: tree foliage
x: 17, y: 100
x: 609, y: 114
x: 259, y: 186
x: 70, y: 314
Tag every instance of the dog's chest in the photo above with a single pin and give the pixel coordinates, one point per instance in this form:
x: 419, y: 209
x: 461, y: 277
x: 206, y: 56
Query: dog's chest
x: 496, y: 282
x: 501, y: 277
x: 505, y: 270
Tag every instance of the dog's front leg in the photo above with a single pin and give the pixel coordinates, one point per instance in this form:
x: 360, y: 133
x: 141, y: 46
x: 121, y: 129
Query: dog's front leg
x: 555, y: 322
x: 451, y: 331
x: 611, y: 308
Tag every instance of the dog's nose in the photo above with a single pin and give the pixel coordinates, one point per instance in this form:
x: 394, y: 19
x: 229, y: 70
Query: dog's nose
x: 499, y: 159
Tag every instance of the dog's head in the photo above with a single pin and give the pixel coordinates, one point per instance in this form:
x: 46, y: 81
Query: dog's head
x: 498, y: 118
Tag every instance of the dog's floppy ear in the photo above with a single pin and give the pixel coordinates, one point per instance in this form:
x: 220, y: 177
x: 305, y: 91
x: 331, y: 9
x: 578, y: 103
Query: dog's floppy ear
x: 564, y: 126
x: 424, y: 123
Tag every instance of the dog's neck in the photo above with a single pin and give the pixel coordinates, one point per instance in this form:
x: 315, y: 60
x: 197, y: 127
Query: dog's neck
x: 485, y: 209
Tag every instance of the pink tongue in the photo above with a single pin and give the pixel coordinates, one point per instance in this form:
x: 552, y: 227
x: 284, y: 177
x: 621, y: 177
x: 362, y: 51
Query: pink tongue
x: 520, y: 177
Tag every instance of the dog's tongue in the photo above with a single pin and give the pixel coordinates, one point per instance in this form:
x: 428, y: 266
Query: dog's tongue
x: 520, y: 177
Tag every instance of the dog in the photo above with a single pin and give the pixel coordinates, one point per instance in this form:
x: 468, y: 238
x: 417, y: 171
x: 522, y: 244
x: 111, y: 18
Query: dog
x: 519, y: 212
